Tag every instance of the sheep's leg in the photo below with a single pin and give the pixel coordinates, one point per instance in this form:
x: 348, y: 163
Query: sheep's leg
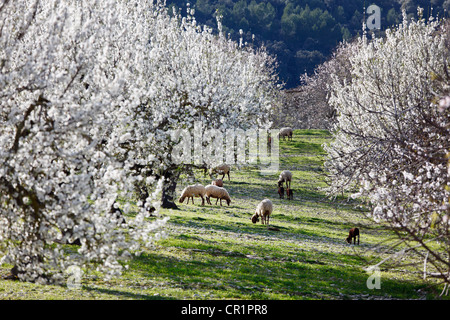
x: 217, y: 201
x: 220, y: 201
x: 188, y: 200
x: 358, y: 239
x: 208, y: 201
x: 203, y: 200
x: 228, y: 174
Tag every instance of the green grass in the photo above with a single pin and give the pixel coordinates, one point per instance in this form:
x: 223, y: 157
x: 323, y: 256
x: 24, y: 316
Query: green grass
x: 215, y: 252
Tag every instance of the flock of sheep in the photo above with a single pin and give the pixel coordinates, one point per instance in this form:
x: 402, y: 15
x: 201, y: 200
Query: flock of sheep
x: 217, y: 191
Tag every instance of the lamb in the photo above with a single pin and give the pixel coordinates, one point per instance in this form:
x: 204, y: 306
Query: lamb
x: 281, y: 191
x: 217, y: 182
x: 352, y: 234
x: 217, y: 192
x: 286, y: 132
x: 224, y: 169
x: 289, y: 194
x: 192, y: 191
x: 263, y: 210
x: 285, y: 176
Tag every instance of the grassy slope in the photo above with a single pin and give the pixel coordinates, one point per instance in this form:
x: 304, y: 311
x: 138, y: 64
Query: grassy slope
x: 215, y: 252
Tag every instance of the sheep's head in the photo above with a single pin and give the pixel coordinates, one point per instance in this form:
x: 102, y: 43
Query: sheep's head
x: 228, y: 201
x: 348, y: 239
x: 254, y: 218
x: 181, y: 199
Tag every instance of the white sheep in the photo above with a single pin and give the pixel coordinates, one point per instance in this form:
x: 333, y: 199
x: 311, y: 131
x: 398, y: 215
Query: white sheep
x: 286, y: 132
x: 224, y: 169
x: 285, y: 176
x: 191, y: 191
x: 264, y: 210
x: 217, y: 192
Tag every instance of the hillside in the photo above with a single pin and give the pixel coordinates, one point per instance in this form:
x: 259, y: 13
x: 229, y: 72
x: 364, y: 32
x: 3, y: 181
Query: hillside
x: 214, y: 252
x: 301, y: 33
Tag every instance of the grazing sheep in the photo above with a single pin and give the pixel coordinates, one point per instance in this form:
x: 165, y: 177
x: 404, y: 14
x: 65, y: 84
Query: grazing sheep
x: 281, y: 191
x: 286, y: 132
x: 217, y: 182
x: 289, y: 194
x: 192, y: 191
x: 224, y: 169
x: 217, y: 192
x: 352, y: 234
x: 263, y: 210
x: 285, y: 176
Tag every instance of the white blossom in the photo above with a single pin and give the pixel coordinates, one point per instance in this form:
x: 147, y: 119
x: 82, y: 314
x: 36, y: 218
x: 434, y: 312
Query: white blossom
x: 392, y: 134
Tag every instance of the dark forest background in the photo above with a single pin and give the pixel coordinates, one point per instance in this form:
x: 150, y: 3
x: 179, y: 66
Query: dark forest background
x: 302, y: 33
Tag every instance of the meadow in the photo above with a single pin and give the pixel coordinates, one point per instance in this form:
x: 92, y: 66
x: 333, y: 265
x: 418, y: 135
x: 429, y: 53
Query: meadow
x: 215, y: 252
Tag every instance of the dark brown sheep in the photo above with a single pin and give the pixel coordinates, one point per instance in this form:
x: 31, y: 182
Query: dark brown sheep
x: 281, y: 191
x: 289, y: 194
x: 352, y: 234
x: 217, y: 182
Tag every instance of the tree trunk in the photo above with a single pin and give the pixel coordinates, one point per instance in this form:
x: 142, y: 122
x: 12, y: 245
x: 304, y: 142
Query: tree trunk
x: 168, y: 191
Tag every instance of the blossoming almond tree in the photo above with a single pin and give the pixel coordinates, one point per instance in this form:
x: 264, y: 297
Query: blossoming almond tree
x: 391, y: 137
x: 61, y: 76
x: 190, y: 76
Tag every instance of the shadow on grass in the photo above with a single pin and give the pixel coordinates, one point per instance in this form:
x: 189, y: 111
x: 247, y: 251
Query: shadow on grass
x: 239, y: 276
x: 126, y: 294
x: 313, y: 230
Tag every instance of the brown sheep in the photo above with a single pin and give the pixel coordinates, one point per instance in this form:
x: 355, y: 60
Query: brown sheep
x: 281, y: 191
x: 217, y: 182
x: 352, y: 234
x: 289, y: 194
